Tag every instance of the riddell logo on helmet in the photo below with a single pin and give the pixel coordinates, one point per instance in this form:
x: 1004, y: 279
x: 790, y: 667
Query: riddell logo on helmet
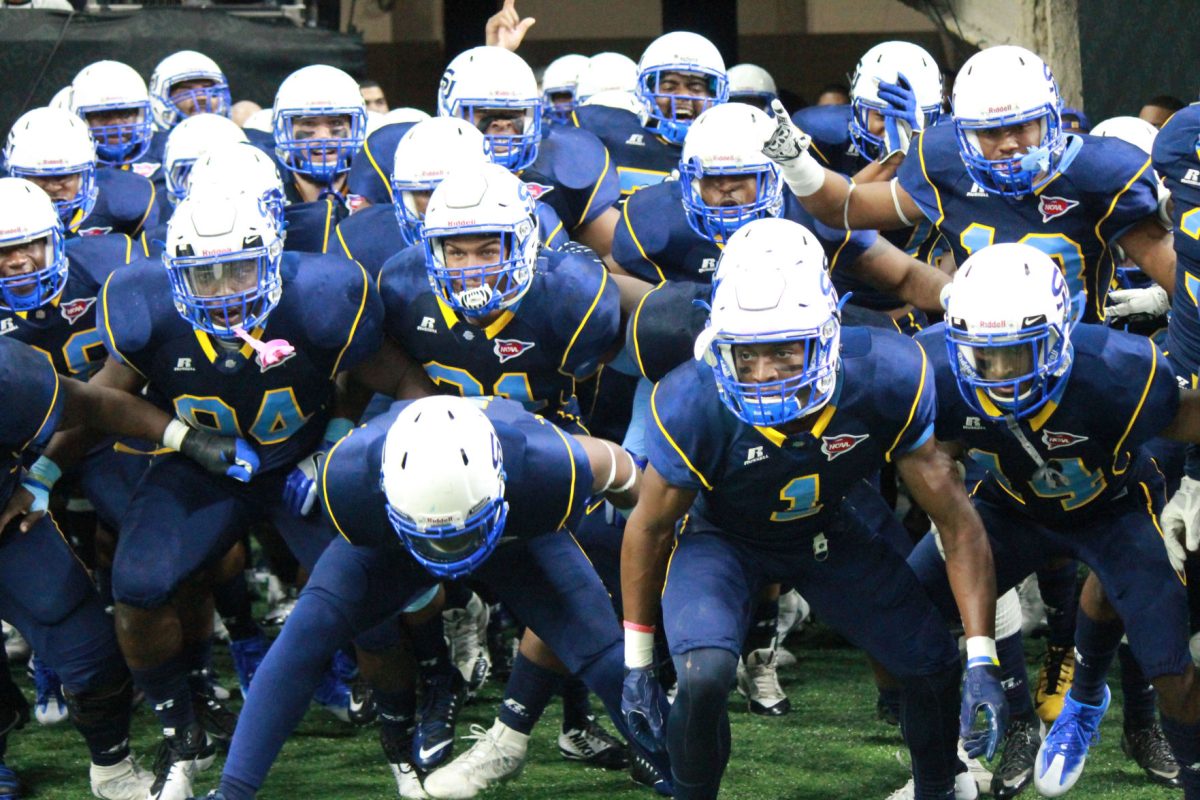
x: 459, y: 223
x: 1052, y: 207
x: 992, y: 324
x: 220, y: 251
x: 1000, y: 109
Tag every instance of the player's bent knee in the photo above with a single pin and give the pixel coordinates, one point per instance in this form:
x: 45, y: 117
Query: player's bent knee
x: 705, y: 676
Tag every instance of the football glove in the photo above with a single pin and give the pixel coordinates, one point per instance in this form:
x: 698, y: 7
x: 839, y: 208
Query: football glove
x: 901, y: 119
x: 1180, y: 520
x: 984, y: 711
x: 300, y: 486
x: 1151, y: 301
x: 787, y: 146
x: 39, y: 481
x: 220, y: 455
x: 644, y: 706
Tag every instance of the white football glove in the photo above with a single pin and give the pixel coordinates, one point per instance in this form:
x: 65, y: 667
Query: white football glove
x: 787, y: 146
x: 1151, y: 301
x: 1180, y: 520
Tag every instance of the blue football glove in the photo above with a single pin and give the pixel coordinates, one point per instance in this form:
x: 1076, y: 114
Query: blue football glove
x: 644, y: 706
x: 300, y: 487
x: 901, y: 118
x: 984, y: 711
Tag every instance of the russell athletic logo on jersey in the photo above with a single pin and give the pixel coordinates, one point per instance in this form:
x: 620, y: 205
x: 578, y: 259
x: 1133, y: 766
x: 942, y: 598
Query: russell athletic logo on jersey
x: 834, y: 446
x: 75, y: 309
x: 1052, y: 207
x: 1054, y: 439
x: 508, y: 349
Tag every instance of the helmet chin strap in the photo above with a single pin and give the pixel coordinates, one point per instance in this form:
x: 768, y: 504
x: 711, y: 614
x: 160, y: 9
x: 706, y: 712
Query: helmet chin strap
x: 1036, y: 160
x: 1045, y: 471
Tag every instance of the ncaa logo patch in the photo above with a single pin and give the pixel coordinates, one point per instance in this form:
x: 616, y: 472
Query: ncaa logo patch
x: 145, y: 168
x: 536, y: 190
x: 95, y: 231
x: 75, y: 309
x: 834, y: 446
x: 508, y: 349
x: 1052, y: 207
x: 1054, y: 439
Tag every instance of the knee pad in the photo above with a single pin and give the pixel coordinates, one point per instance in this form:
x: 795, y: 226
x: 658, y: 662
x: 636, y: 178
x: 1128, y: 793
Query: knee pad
x: 1008, y: 614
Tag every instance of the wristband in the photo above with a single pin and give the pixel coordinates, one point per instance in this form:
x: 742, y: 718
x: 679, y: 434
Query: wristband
x: 639, y: 645
x: 896, y: 203
x: 337, y: 428
x: 45, y: 472
x: 633, y: 474
x: 173, y: 436
x: 803, y: 175
x: 981, y: 652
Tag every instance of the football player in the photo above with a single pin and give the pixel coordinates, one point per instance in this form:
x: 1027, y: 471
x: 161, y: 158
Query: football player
x: 188, y: 141
x: 423, y: 493
x: 680, y: 74
x: 757, y: 443
x: 1057, y: 413
x: 752, y: 85
x: 186, y: 83
x: 558, y: 86
x: 426, y: 154
x: 54, y: 149
x: 495, y: 91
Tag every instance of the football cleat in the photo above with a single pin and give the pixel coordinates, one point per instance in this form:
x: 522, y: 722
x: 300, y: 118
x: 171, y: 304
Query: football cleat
x: 466, y: 630
x: 593, y: 745
x: 981, y: 776
x: 247, y: 655
x: 1061, y: 757
x: 497, y: 755
x: 1149, y: 748
x: 794, y: 612
x: 1015, y: 772
x: 397, y: 749
x: 50, y: 707
x: 965, y: 788
x: 10, y: 784
x: 1054, y: 680
x: 204, y: 681
x: 758, y: 680
x: 179, y: 759
x: 218, y: 721
x: 433, y: 737
x: 220, y: 632
x: 124, y: 780
x: 332, y: 693
x: 280, y: 611
x: 362, y: 710
x: 15, y: 646
x: 645, y: 772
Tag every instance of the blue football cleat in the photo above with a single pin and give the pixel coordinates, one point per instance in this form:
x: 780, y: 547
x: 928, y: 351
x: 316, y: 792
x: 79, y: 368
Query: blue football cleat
x: 247, y: 655
x: 433, y: 738
x: 50, y: 707
x: 1063, y: 752
x: 10, y: 785
x: 333, y: 695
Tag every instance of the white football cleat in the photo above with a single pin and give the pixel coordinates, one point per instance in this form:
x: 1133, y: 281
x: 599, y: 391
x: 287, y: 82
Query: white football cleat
x: 15, y: 646
x: 124, y: 780
x: 758, y: 680
x: 964, y: 789
x: 497, y: 755
x: 466, y: 630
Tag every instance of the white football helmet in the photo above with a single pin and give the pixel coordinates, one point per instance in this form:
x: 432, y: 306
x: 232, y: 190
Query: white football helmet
x: 404, y: 114
x: 772, y: 287
x: 727, y: 140
x: 482, y: 200
x: 443, y: 480
x: 62, y: 99
x: 485, y: 80
x: 425, y: 155
x: 106, y: 87
x: 753, y: 85
x: 318, y: 90
x: 607, y: 72
x: 1002, y: 86
x: 1134, y: 130
x: 50, y: 142
x: 222, y: 255
x: 561, y: 78
x: 181, y: 67
x: 260, y: 120
x: 241, y: 167
x: 188, y: 141
x: 28, y: 215
x: 1008, y: 329
x: 679, y: 52
x: 626, y: 101
x: 886, y: 62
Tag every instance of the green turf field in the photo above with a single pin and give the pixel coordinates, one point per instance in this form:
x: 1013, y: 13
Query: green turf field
x: 829, y: 748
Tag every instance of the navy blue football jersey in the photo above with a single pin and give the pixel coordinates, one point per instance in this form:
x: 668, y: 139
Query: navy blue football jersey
x: 572, y: 172
x: 642, y: 157
x: 760, y: 485
x: 654, y: 241
x: 311, y: 226
x: 329, y: 312
x: 1177, y: 161
x: 1119, y: 394
x: 64, y: 330
x: 829, y: 127
x: 1103, y: 186
x: 547, y: 476
x: 32, y: 407
x: 372, y: 235
x: 125, y: 203
x: 533, y: 353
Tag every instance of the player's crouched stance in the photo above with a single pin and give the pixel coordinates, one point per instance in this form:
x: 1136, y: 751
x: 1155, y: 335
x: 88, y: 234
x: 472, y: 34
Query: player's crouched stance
x: 756, y: 444
x: 44, y: 590
x: 1057, y: 414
